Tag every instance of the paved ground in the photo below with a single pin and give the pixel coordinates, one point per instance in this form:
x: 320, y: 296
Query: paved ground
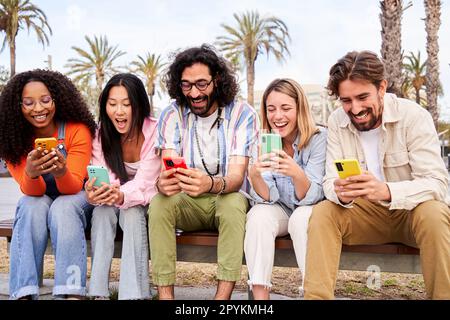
x: 181, y: 293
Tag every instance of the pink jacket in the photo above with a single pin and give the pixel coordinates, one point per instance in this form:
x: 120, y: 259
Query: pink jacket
x: 141, y: 189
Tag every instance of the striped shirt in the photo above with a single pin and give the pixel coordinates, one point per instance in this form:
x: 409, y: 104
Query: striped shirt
x: 238, y: 134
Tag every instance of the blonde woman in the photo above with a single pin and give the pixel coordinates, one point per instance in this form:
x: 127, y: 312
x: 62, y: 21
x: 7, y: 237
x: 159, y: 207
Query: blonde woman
x: 285, y: 183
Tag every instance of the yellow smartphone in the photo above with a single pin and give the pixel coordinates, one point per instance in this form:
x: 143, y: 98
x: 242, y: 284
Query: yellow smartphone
x: 46, y: 143
x: 347, y: 167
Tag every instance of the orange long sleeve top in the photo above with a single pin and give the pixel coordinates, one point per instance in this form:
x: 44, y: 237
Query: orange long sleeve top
x: 78, y: 144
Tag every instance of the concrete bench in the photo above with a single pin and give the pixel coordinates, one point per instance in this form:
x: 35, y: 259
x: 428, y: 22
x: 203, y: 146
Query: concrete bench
x: 201, y: 246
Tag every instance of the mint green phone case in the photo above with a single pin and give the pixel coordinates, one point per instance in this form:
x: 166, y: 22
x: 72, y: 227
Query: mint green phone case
x: 100, y: 173
x: 269, y: 142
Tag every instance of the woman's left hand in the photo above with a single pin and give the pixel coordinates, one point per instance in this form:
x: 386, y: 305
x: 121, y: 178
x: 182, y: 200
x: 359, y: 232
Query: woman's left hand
x: 285, y: 164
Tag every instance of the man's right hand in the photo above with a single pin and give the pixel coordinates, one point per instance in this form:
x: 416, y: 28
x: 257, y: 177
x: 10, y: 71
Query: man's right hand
x: 167, y: 185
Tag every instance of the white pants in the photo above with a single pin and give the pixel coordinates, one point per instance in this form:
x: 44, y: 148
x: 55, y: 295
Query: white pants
x: 264, y: 223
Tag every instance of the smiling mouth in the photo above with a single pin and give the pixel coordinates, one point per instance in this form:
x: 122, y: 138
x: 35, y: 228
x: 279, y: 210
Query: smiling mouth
x: 361, y: 116
x: 280, y: 125
x: 40, y: 117
x: 198, y: 101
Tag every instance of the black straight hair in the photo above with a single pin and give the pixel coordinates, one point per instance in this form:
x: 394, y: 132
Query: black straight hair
x: 110, y: 137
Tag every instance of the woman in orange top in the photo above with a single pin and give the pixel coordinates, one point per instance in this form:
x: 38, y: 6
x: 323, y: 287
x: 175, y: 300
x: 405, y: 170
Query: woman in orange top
x: 43, y: 104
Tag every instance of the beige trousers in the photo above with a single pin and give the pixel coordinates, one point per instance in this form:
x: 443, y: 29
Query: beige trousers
x: 265, y: 222
x: 426, y: 227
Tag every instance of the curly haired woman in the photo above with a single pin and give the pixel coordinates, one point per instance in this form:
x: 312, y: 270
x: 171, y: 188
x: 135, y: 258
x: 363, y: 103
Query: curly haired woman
x: 42, y: 104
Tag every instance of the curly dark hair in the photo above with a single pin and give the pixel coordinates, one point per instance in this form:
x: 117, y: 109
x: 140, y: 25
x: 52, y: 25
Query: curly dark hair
x: 363, y: 65
x: 219, y: 68
x: 16, y: 133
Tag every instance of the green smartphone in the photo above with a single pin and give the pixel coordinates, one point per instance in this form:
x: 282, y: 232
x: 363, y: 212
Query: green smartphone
x: 99, y: 172
x: 270, y: 142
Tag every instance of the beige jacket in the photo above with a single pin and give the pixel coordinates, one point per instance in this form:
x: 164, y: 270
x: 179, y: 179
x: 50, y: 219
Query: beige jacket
x: 409, y: 153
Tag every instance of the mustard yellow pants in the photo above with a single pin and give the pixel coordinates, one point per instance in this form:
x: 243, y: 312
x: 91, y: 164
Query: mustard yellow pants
x: 426, y: 227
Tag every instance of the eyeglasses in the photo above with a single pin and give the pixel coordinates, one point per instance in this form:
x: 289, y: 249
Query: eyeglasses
x: 45, y: 102
x: 200, y: 84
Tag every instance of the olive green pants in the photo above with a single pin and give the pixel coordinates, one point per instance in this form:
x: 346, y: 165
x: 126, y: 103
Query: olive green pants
x: 426, y: 227
x: 225, y: 213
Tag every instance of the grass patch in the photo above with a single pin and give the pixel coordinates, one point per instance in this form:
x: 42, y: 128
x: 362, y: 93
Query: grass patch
x: 390, y: 283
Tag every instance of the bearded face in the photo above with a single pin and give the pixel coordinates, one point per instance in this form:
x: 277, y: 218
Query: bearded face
x: 362, y: 102
x: 199, y: 89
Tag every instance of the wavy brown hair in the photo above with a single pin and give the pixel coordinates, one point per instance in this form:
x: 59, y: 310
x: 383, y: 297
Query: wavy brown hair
x: 226, y: 87
x: 16, y: 133
x: 363, y: 65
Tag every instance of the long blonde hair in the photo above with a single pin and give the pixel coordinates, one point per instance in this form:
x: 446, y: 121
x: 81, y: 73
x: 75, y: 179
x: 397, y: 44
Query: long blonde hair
x: 305, y: 122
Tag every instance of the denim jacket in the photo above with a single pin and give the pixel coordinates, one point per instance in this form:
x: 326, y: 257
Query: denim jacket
x: 281, y: 188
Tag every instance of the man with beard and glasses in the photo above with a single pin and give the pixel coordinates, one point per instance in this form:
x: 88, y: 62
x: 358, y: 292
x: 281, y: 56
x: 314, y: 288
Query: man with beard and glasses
x: 216, y: 136
x: 401, y: 196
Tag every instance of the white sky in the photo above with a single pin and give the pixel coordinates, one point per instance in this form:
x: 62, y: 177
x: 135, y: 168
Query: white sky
x: 322, y: 31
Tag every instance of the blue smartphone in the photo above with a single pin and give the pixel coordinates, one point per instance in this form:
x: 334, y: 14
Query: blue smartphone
x: 99, y: 172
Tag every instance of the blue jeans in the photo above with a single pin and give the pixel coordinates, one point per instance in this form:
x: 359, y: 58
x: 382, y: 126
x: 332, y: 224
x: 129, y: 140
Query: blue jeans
x: 134, y: 275
x: 66, y: 218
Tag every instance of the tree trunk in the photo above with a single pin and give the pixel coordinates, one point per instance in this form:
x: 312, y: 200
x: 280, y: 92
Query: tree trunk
x: 99, y: 78
x: 417, y: 95
x: 150, y: 101
x: 250, y: 82
x: 432, y: 24
x: 12, y: 54
x: 391, y: 46
x: 151, y: 93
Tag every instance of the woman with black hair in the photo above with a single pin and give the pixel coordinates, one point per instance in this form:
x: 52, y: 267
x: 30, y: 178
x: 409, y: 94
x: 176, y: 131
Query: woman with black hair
x: 44, y: 104
x: 125, y: 146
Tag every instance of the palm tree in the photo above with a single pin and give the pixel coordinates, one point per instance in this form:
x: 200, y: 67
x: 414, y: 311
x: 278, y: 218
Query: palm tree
x: 432, y: 24
x: 252, y: 36
x: 98, y: 62
x: 391, y: 42
x: 414, y: 76
x: 150, y: 68
x: 15, y: 14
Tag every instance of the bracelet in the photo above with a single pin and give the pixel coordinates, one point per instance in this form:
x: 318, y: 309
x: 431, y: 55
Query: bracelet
x: 224, y: 185
x: 212, y: 184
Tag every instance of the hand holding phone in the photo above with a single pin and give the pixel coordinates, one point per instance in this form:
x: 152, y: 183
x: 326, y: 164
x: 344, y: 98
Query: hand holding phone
x: 174, y: 162
x: 366, y: 186
x: 100, y: 173
x: 167, y: 184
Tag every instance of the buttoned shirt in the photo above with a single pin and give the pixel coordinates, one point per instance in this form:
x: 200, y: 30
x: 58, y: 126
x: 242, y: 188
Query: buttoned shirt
x: 409, y: 153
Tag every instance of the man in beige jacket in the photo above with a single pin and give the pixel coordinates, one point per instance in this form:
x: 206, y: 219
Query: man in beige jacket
x: 401, y: 195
